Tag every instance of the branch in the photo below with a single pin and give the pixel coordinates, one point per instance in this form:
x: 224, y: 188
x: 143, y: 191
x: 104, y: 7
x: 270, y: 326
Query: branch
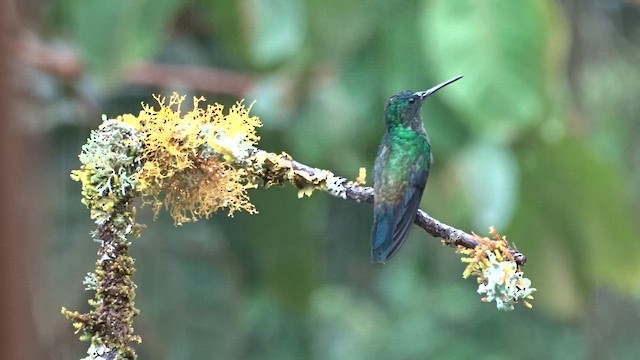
x: 68, y: 65
x: 192, y: 77
x: 109, y: 325
x: 110, y: 162
x: 306, y: 177
x: 198, y: 163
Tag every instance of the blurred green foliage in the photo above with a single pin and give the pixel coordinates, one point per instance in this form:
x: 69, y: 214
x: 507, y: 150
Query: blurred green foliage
x: 541, y: 138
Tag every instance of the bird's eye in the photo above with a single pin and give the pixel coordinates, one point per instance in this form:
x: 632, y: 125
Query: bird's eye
x: 412, y: 100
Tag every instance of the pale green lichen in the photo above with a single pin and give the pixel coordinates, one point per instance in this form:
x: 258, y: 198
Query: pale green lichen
x: 90, y: 282
x: 499, y: 277
x: 109, y: 325
x: 110, y: 164
x: 98, y: 352
x: 504, y: 284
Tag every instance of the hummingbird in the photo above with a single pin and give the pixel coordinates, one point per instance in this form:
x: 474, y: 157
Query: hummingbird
x: 401, y: 170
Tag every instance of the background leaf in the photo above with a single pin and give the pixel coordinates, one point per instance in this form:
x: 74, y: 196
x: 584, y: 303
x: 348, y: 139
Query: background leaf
x: 541, y: 139
x: 277, y: 30
x: 115, y: 34
x: 575, y: 254
x: 491, y: 176
x: 505, y: 50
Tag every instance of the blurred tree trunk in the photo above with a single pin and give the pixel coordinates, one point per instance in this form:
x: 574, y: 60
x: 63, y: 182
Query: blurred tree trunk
x: 18, y: 338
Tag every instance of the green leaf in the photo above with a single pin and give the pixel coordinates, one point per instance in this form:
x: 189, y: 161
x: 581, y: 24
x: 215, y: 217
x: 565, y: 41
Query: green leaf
x: 490, y: 174
x: 346, y: 325
x: 400, y: 63
x: 338, y: 28
x: 283, y: 252
x: 575, y: 224
x: 116, y: 33
x: 508, y: 53
x: 277, y: 31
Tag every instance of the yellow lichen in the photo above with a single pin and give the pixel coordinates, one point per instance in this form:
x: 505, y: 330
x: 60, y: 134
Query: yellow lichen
x: 233, y: 134
x: 130, y: 120
x: 305, y: 191
x: 187, y: 157
x: 362, y: 176
x: 201, y: 191
x: 477, y: 259
x: 270, y: 169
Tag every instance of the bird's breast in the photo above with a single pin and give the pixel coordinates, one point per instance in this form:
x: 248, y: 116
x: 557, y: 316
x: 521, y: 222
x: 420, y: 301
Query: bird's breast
x: 399, y: 155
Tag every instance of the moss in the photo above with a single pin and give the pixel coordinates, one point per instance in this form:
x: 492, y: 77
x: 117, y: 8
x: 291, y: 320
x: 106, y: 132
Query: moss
x: 110, y: 322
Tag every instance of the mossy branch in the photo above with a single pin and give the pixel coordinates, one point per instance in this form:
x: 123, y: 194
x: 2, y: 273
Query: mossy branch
x: 196, y: 163
x: 109, y: 325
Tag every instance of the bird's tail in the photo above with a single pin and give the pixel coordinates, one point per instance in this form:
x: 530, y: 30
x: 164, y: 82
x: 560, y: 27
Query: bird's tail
x: 382, y: 246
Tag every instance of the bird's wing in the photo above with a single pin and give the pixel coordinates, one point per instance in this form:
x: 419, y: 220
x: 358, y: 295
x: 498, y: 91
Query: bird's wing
x: 392, y: 222
x: 410, y: 205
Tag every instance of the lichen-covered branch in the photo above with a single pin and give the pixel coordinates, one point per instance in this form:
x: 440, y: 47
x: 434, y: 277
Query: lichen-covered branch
x: 280, y: 168
x: 109, y: 325
x: 111, y: 160
x: 196, y: 163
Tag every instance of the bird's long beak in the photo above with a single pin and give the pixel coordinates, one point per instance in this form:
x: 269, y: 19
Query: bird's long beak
x: 426, y: 93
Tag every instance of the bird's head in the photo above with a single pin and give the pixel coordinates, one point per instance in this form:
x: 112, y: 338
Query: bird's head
x: 404, y: 108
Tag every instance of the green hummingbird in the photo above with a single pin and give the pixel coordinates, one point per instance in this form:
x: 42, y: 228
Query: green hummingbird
x: 401, y: 171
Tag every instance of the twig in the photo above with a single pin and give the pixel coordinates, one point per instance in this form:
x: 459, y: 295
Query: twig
x: 68, y: 65
x: 305, y: 176
x: 195, y: 78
